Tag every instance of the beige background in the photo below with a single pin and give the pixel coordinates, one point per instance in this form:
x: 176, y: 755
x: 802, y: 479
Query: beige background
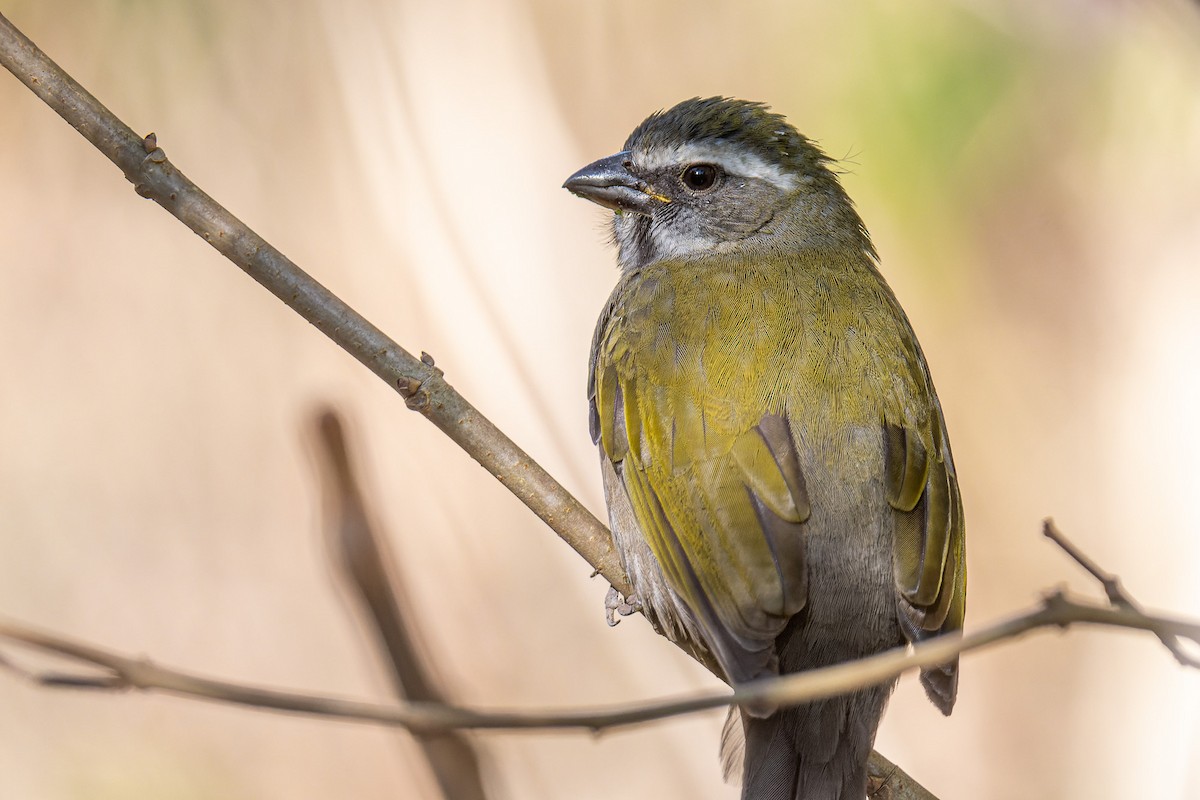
x: 1029, y: 172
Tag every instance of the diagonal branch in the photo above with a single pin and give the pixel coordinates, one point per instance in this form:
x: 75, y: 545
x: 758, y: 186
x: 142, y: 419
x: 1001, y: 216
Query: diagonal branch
x: 146, y: 166
x: 889, y: 782
x: 424, y: 389
x: 363, y: 556
x: 1113, y: 589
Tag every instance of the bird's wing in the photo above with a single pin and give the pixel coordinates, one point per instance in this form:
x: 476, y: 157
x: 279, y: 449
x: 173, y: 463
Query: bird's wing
x: 718, y: 495
x: 930, y: 561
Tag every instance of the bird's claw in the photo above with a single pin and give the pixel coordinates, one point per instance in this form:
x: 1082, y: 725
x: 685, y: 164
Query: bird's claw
x: 617, y: 604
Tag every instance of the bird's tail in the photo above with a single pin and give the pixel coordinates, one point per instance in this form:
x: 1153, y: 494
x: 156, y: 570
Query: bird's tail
x: 817, y: 751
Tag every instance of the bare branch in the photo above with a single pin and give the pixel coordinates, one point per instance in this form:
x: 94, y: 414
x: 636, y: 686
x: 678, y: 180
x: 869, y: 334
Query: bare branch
x: 1056, y: 611
x: 364, y: 558
x: 889, y: 782
x: 424, y: 389
x: 1113, y: 589
x: 421, y: 384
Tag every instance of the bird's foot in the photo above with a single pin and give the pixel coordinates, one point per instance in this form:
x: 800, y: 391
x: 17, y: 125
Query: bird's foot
x: 617, y: 604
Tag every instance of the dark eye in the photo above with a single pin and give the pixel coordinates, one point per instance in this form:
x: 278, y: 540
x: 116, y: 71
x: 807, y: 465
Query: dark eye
x: 699, y: 177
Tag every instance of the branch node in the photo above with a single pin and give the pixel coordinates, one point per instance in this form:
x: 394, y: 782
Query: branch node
x: 1057, y: 606
x: 414, y: 395
x: 1114, y: 591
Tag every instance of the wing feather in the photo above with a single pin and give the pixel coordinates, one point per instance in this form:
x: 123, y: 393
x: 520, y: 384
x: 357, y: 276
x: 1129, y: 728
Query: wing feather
x: 931, y: 575
x: 702, y: 479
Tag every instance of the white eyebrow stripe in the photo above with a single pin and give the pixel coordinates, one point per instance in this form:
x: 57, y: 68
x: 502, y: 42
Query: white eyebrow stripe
x: 744, y: 164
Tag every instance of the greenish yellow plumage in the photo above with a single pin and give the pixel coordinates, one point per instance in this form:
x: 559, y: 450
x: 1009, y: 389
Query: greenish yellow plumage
x: 777, y: 469
x: 680, y: 386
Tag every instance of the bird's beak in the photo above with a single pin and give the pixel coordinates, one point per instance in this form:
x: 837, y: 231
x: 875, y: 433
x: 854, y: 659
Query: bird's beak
x: 609, y: 183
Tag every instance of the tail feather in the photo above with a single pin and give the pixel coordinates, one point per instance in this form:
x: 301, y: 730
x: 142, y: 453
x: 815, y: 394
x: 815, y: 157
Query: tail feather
x: 814, y: 752
x: 941, y: 685
x: 733, y: 747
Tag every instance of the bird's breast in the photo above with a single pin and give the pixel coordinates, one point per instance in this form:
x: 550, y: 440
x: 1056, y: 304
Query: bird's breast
x: 814, y: 338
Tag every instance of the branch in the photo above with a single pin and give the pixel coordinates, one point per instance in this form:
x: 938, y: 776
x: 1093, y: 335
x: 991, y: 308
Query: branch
x: 1113, y: 589
x: 1057, y: 610
x: 420, y: 383
x: 363, y: 557
x: 424, y: 389
x: 888, y: 782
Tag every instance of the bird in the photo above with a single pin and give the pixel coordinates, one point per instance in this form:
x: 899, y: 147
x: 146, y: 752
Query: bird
x: 774, y: 456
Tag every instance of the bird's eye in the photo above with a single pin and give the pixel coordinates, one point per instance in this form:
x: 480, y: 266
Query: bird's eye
x: 699, y: 177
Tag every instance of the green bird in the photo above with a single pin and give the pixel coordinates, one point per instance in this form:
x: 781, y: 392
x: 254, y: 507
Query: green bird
x: 775, y: 461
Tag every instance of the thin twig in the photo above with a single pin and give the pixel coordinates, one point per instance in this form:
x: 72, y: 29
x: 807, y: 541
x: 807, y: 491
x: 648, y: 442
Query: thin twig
x: 1056, y: 611
x: 1113, y: 590
x: 363, y: 555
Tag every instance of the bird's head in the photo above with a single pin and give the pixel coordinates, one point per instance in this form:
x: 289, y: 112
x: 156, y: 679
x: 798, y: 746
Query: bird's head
x: 719, y: 174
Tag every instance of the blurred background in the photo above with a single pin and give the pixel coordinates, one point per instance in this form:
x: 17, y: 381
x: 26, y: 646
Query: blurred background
x: 1031, y: 176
